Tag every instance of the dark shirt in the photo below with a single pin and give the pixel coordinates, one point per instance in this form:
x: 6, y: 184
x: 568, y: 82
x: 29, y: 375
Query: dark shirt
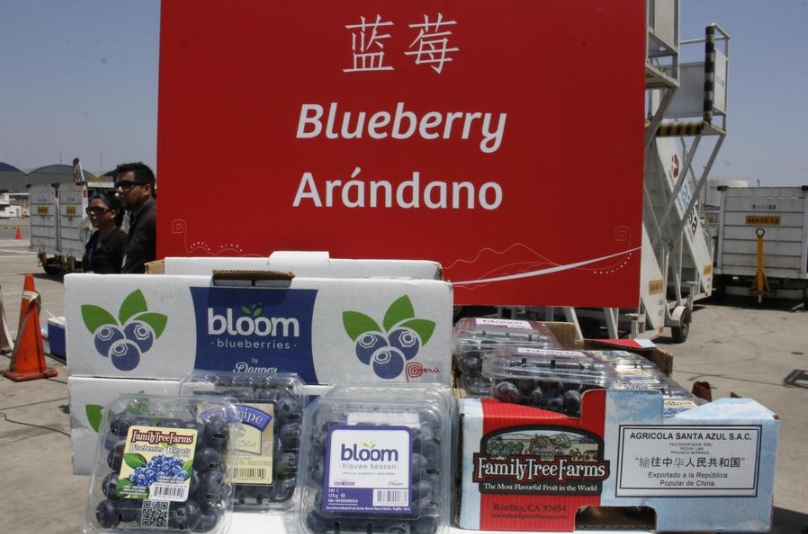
x: 142, y: 239
x: 107, y: 258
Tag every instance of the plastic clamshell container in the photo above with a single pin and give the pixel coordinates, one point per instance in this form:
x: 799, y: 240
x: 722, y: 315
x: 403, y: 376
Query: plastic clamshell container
x: 475, y: 339
x: 623, y: 359
x: 266, y: 456
x: 377, y: 460
x: 634, y: 378
x: 548, y: 379
x: 162, y: 465
x: 672, y: 407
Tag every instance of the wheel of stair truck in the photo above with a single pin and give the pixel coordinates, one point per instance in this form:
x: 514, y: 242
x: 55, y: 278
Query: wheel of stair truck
x: 719, y: 289
x: 52, y: 267
x: 679, y: 333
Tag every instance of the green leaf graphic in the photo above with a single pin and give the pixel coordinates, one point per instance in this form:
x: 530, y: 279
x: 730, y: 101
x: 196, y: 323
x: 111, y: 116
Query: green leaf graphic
x: 357, y: 324
x: 398, y: 311
x: 132, y: 305
x: 246, y: 310
x: 423, y: 327
x: 123, y: 483
x: 188, y: 467
x: 95, y: 317
x: 133, y: 460
x: 156, y: 320
x: 94, y: 413
x: 257, y: 312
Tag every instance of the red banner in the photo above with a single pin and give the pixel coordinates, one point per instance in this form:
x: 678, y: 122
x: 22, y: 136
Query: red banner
x: 503, y: 139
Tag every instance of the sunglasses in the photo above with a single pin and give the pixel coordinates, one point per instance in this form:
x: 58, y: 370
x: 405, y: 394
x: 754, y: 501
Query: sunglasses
x: 126, y: 185
x: 97, y: 210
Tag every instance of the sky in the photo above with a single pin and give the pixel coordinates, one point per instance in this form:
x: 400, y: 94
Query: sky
x: 79, y: 78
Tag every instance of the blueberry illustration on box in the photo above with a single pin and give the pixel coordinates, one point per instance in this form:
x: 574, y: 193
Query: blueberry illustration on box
x: 387, y: 347
x: 125, y: 339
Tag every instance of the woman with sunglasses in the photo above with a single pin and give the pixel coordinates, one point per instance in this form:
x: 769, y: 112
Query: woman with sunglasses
x: 105, y: 251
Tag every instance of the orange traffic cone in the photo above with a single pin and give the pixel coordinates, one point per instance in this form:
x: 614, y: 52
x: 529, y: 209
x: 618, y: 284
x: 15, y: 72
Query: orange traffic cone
x: 18, y: 235
x: 28, y: 356
x: 5, y: 335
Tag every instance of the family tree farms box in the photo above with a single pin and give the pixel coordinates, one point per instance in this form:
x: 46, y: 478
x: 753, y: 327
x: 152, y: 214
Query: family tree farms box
x: 707, y: 469
x: 327, y: 330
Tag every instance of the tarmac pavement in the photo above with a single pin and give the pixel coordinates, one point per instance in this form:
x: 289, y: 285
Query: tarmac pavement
x: 757, y: 352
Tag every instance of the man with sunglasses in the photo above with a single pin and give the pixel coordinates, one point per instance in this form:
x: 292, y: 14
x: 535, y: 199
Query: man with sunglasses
x: 134, y: 186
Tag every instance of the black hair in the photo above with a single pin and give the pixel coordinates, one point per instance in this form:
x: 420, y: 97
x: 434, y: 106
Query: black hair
x: 143, y: 174
x: 112, y: 202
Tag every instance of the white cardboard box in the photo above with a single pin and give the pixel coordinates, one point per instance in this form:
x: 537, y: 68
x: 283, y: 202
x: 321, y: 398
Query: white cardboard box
x: 328, y: 330
x: 307, y: 264
x: 88, y: 398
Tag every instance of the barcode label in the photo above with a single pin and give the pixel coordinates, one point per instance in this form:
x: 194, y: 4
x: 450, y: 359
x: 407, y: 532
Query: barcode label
x: 169, y: 492
x: 249, y: 474
x: 387, y: 497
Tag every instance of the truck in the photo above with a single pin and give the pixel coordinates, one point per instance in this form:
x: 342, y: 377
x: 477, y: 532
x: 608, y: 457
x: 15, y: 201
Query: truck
x: 686, y: 107
x: 762, y: 245
x: 58, y: 199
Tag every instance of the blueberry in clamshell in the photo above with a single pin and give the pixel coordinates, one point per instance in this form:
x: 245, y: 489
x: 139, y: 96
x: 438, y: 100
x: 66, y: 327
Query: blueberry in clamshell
x: 129, y: 510
x: 572, y: 402
x: 317, y: 470
x: 213, y: 486
x: 120, y: 423
x: 105, y: 337
x: 171, y: 423
x: 316, y: 523
x: 290, y: 436
x: 110, y: 486
x: 106, y: 514
x: 367, y: 345
x: 140, y: 334
x: 433, y: 419
x: 526, y: 385
x: 184, y: 516
x: 470, y: 363
x: 424, y: 525
x: 286, y: 465
x: 115, y: 456
x: 397, y: 527
x: 553, y: 401
x: 208, y: 519
x: 284, y: 489
x: 207, y: 459
x: 286, y: 406
x: 427, y: 506
x: 216, y: 433
x: 419, y: 461
x: 507, y: 392
x: 195, y: 486
x: 422, y: 489
x: 317, y: 444
x: 266, y: 395
x: 535, y: 397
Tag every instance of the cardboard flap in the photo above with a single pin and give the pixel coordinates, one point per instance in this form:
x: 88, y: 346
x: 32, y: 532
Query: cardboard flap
x: 303, y: 258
